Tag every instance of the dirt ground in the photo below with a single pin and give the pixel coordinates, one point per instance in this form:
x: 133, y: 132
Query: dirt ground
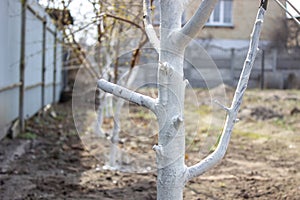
x: 50, y: 161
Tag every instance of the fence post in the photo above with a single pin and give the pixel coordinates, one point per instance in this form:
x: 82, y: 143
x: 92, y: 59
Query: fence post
x: 54, y: 67
x: 275, y: 57
x: 262, y: 74
x: 43, y: 63
x: 22, y: 66
x: 232, y: 65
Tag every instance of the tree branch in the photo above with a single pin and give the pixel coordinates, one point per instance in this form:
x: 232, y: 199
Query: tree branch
x: 153, y: 39
x: 81, y: 55
x: 136, y: 53
x: 127, y: 94
x: 220, y: 151
x: 195, y: 24
x: 123, y: 20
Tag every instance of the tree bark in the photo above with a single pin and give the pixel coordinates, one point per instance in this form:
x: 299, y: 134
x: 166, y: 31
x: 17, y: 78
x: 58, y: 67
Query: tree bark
x: 172, y: 173
x: 171, y: 87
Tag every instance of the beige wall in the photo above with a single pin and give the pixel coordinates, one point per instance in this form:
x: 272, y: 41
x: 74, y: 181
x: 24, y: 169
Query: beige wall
x: 244, y: 13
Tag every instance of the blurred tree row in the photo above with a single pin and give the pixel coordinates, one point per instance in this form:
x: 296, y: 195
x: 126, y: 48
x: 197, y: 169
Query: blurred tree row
x: 98, y: 31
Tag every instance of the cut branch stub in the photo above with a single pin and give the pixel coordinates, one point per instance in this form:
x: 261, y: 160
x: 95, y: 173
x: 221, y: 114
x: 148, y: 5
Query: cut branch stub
x: 222, y: 106
x: 177, y: 121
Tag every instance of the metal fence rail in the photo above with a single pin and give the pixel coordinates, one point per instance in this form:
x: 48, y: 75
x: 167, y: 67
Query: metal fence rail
x: 273, y: 68
x: 30, y: 61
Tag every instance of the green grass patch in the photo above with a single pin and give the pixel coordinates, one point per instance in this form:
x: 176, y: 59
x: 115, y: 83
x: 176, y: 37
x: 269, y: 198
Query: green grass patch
x: 28, y: 136
x: 141, y: 113
x: 282, y: 123
x: 250, y: 135
x: 72, y: 133
x: 204, y: 110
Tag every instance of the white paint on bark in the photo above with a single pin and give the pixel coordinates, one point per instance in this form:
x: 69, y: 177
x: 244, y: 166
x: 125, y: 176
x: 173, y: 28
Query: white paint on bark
x: 232, y: 112
x: 102, y: 98
x: 114, y: 150
x: 127, y: 94
x: 172, y: 173
x: 99, y: 122
x: 153, y: 39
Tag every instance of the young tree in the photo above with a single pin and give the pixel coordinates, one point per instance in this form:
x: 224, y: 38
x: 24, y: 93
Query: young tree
x: 114, y: 25
x: 172, y: 173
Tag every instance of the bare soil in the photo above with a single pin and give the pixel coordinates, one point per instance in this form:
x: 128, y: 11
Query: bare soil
x: 262, y: 162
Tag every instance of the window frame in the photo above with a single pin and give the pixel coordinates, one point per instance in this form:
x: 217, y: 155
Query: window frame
x: 221, y: 22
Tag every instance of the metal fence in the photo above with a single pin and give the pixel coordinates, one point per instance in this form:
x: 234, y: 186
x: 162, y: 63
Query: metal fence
x: 208, y: 66
x: 273, y: 68
x: 30, y: 61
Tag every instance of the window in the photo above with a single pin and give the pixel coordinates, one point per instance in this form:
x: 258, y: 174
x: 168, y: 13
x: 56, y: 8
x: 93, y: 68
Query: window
x: 222, y: 14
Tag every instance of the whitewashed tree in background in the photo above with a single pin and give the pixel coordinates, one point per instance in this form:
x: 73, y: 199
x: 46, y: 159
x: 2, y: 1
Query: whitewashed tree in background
x: 172, y: 173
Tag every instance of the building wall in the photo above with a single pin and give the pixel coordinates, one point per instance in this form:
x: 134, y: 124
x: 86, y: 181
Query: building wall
x: 244, y: 13
x: 227, y: 47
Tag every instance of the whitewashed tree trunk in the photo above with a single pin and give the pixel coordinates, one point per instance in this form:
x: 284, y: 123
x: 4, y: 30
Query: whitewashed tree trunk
x: 113, y: 154
x: 172, y: 173
x: 108, y: 108
x: 102, y: 99
x: 115, y: 135
x: 98, y: 130
x: 171, y: 139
